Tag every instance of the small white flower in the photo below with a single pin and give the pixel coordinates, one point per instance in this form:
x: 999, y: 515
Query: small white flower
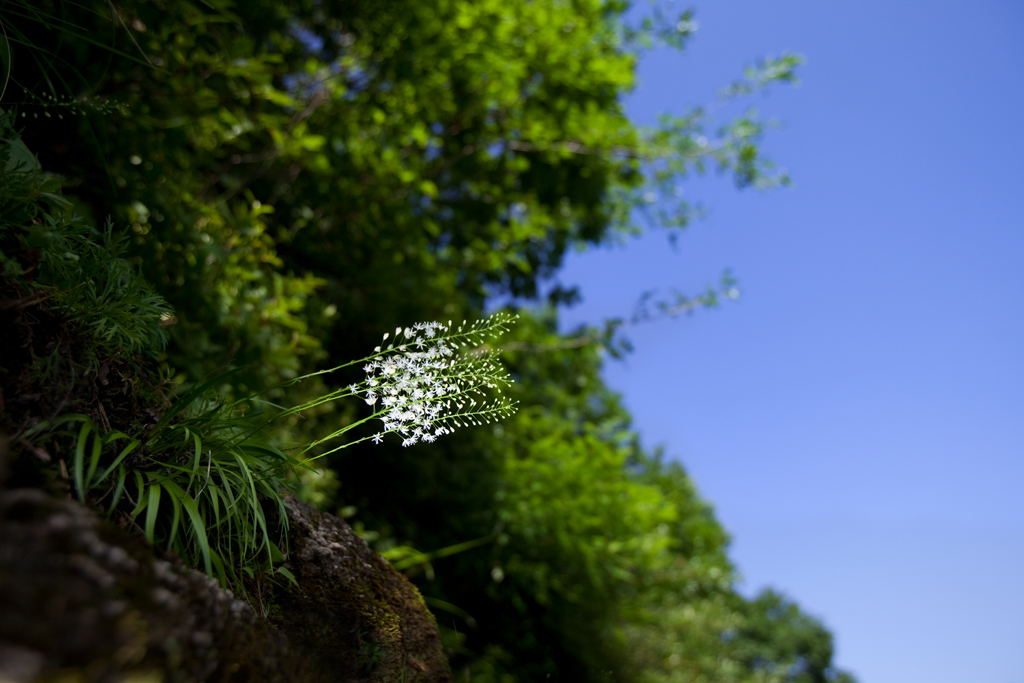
x: 378, y: 437
x: 426, y: 388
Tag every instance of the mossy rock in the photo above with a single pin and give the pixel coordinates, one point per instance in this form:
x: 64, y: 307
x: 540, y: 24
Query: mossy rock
x: 83, y: 601
x: 352, y: 612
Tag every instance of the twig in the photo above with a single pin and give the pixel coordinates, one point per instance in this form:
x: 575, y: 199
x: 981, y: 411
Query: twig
x: 209, y: 464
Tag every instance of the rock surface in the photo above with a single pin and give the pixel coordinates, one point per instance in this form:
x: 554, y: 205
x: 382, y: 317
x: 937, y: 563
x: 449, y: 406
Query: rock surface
x: 352, y: 613
x: 81, y: 600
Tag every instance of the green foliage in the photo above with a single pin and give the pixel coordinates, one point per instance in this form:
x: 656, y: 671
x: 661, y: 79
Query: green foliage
x: 240, y: 471
x: 200, y: 484
x: 210, y: 510
x: 411, y: 155
x: 80, y: 266
x: 778, y: 639
x: 295, y: 177
x: 96, y: 286
x: 56, y: 70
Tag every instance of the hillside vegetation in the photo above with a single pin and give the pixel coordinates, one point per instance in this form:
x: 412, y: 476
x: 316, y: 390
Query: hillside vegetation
x: 208, y: 209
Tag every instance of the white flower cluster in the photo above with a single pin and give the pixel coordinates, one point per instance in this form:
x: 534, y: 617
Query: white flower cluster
x: 427, y: 384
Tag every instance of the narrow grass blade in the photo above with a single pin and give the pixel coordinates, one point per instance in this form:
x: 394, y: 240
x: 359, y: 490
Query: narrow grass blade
x: 260, y: 448
x: 228, y: 489
x: 94, y: 460
x: 50, y: 424
x: 167, y: 485
x: 78, y: 466
x: 213, y: 494
x: 449, y: 607
x: 152, y: 508
x: 118, y: 490
x: 198, y: 524
x: 140, y: 487
x: 125, y: 452
x: 283, y: 571
x: 253, y: 501
x: 196, y: 457
x: 404, y: 557
x: 218, y: 566
x: 186, y: 400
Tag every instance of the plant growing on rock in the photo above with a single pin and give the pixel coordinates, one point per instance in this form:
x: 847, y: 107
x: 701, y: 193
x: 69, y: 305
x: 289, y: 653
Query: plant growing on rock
x: 201, y: 480
x: 431, y: 379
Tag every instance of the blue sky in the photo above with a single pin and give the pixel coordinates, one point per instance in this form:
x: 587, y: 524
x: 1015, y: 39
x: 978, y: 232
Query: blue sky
x: 857, y: 417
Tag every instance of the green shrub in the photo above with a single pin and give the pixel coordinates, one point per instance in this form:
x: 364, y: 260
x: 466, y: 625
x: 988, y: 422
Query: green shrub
x: 45, y: 248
